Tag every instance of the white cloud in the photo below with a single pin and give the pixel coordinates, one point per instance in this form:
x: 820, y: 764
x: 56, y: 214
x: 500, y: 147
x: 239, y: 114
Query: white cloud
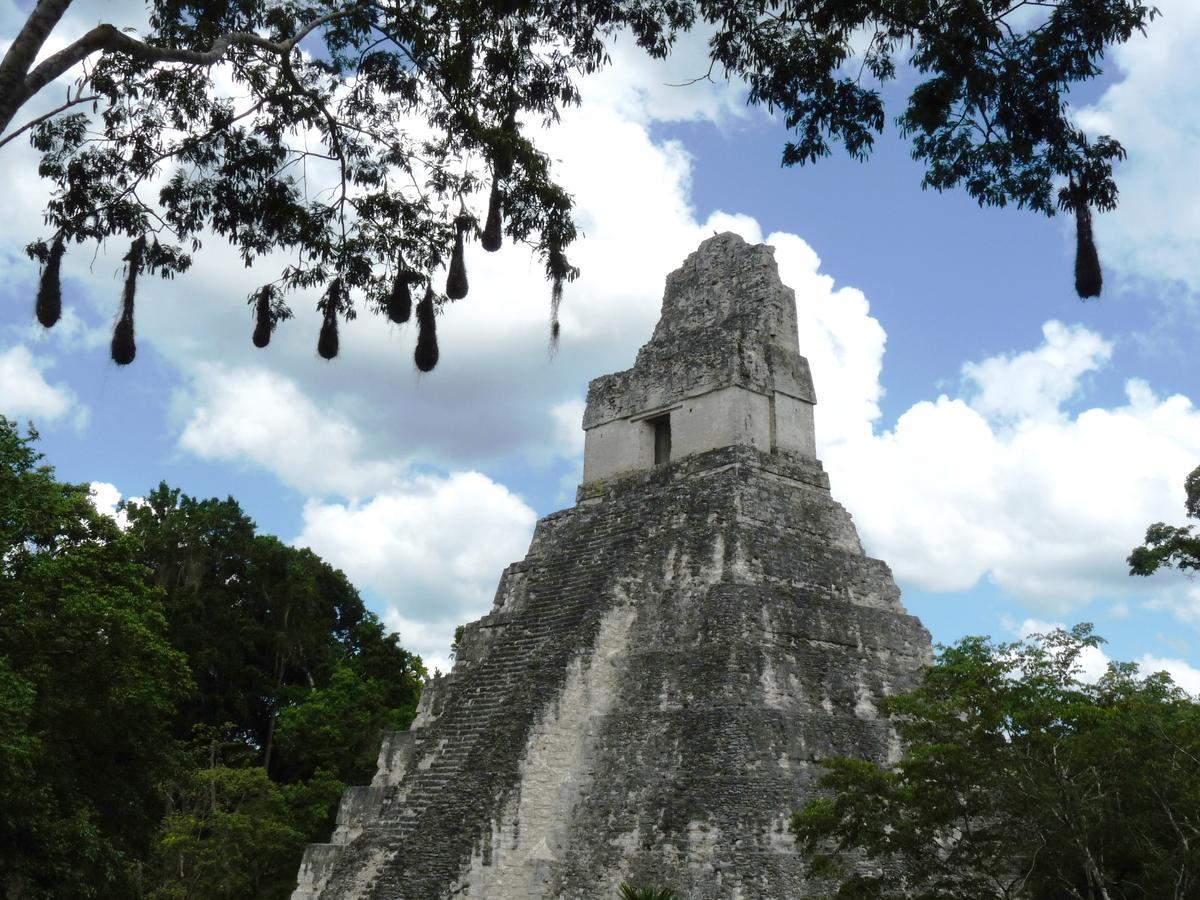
x: 492, y: 395
x: 1154, y: 110
x: 568, y: 427
x: 71, y: 333
x: 498, y: 394
x: 1036, y: 383
x: 429, y: 639
x: 105, y: 497
x: 25, y: 393
x: 671, y: 90
x: 844, y: 344
x: 261, y: 416
x: 1183, y: 674
x: 431, y: 548
x: 1182, y: 600
x: 1045, y: 504
x: 1005, y: 484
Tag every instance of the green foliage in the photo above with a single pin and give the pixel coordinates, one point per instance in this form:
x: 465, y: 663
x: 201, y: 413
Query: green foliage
x: 181, y: 703
x: 336, y: 728
x: 266, y: 626
x: 88, y: 688
x: 233, y: 833
x: 418, y: 108
x: 296, y: 683
x: 1168, y: 545
x: 1019, y: 780
x: 456, y: 644
x: 230, y: 837
x: 645, y: 892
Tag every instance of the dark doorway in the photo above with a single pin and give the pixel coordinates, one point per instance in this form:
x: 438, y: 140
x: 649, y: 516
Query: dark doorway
x: 662, y: 439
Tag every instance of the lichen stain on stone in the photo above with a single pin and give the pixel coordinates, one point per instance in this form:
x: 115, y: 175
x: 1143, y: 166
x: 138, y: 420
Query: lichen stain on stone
x: 554, y: 770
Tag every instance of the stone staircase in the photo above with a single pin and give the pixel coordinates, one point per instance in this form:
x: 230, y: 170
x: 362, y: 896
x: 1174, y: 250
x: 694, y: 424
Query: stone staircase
x: 448, y: 775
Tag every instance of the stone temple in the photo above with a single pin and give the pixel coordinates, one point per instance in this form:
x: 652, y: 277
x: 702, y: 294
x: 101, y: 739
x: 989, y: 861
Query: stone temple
x: 648, y: 698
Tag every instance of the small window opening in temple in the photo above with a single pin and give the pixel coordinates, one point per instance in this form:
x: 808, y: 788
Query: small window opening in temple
x: 662, y: 439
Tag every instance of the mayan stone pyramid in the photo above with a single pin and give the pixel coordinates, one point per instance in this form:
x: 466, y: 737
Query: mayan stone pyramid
x: 648, y: 696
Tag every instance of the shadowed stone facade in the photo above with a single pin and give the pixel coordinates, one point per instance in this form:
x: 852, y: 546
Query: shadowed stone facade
x: 648, y: 696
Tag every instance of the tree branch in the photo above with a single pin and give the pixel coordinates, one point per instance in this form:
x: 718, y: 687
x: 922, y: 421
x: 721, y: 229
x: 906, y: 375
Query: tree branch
x: 33, y: 123
x: 109, y: 38
x: 24, y: 50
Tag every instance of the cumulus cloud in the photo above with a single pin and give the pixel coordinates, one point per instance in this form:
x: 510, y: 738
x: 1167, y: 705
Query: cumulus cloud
x: 489, y: 398
x: 568, y: 427
x: 106, y: 497
x: 1182, y: 601
x: 431, y: 547
x: 1004, y: 482
x: 843, y: 342
x: 1155, y: 112
x: 431, y: 639
x: 1092, y: 662
x: 25, y: 393
x: 262, y: 417
x: 1034, y: 385
x: 72, y: 333
x: 1182, y: 673
x: 498, y: 394
x: 1046, y: 506
x: 674, y: 89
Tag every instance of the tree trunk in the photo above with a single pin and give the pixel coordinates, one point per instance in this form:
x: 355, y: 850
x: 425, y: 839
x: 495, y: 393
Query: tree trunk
x: 20, y: 56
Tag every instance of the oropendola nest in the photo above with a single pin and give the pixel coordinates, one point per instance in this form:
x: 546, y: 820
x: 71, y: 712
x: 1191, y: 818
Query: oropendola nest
x: 49, y: 296
x: 493, y: 228
x: 327, y: 342
x: 398, y: 305
x: 558, y: 267
x: 1088, y: 279
x: 456, y: 278
x: 124, y: 348
x: 263, y: 326
x: 426, y: 354
x: 502, y: 161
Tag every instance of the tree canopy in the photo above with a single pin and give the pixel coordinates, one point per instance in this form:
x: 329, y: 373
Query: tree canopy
x: 215, y: 117
x: 181, y: 701
x: 272, y: 632
x: 1020, y: 780
x: 88, y: 687
x: 295, y: 682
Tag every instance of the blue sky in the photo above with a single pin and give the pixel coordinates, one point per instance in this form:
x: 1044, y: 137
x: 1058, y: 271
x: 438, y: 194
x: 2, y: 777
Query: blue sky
x: 1000, y: 444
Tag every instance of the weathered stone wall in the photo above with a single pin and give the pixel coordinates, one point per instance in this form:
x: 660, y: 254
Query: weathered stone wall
x: 647, y: 698
x: 723, y: 362
x: 650, y: 695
